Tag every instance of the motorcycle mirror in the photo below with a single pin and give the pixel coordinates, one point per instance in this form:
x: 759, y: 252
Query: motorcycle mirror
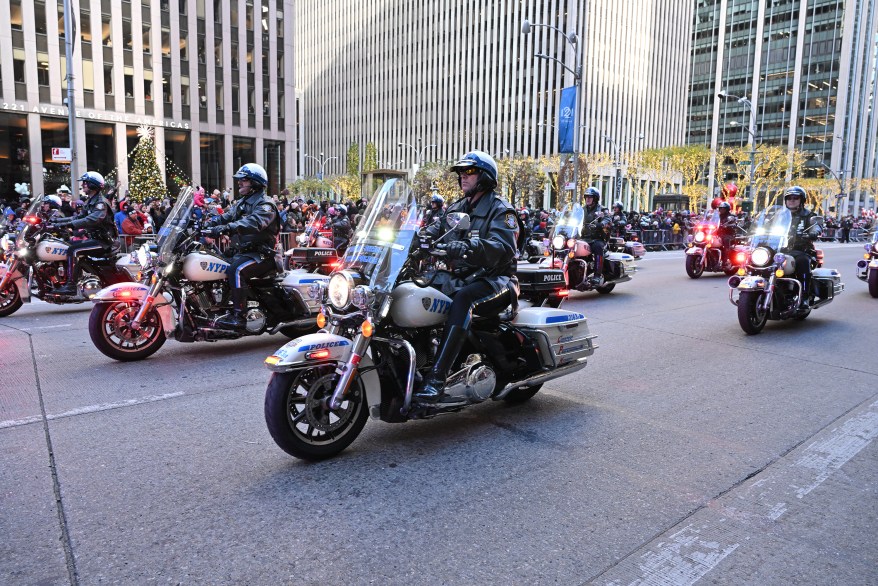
x: 458, y: 221
x: 817, y: 220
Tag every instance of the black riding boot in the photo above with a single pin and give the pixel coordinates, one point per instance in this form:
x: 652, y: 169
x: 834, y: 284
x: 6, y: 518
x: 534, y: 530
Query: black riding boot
x: 234, y: 320
x: 597, y: 278
x: 434, y: 384
x: 73, y: 274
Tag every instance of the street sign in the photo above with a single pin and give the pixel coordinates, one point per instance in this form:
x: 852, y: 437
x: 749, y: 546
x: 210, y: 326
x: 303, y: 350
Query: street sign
x: 569, y: 186
x: 60, y: 155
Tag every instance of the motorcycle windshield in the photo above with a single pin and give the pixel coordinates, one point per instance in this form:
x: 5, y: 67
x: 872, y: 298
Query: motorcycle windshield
x: 31, y: 211
x: 384, y: 236
x: 174, y: 228
x: 569, y: 224
x: 772, y: 228
x: 711, y: 219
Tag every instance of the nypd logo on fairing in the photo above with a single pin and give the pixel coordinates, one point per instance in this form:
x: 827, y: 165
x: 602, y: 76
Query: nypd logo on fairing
x: 214, y: 267
x: 310, y: 347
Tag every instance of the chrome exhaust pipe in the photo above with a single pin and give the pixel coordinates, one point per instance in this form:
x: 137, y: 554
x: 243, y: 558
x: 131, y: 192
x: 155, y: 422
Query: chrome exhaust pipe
x: 579, y: 364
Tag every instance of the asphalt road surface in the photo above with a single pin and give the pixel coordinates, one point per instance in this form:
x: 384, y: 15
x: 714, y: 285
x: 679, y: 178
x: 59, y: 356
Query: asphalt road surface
x: 686, y: 452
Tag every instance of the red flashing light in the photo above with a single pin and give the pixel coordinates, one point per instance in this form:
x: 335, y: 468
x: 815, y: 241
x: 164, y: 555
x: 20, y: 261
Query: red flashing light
x: 32, y: 220
x: 317, y: 355
x: 741, y: 258
x: 564, y: 293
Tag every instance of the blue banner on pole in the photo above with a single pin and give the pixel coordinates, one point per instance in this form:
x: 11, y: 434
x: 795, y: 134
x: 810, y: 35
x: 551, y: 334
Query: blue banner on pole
x: 566, y: 120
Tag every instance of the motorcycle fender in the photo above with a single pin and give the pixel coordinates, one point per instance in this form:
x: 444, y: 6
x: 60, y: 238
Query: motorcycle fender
x: 752, y: 283
x: 873, y: 264
x: 293, y: 355
x: 137, y: 292
x: 19, y: 280
x: 694, y: 251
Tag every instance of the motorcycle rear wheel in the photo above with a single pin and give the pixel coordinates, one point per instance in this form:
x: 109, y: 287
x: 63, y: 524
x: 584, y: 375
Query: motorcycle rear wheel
x: 873, y: 282
x: 604, y: 289
x: 111, y: 333
x: 751, y: 318
x: 694, y: 268
x: 10, y: 300
x: 299, y: 419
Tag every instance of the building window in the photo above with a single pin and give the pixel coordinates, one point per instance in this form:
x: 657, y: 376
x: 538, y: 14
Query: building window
x: 184, y: 46
x: 40, y: 17
x: 18, y: 74
x: 236, y: 106
x: 106, y: 30
x: 101, y: 144
x: 184, y: 90
x: 218, y: 11
x: 14, y: 150
x: 166, y: 88
x: 108, y: 79
x: 147, y: 86
x: 212, y: 154
x: 273, y: 161
x: 88, y: 75
x: 219, y: 96
x: 178, y: 157
x: 43, y: 69
x: 85, y: 26
x: 147, y: 41
x: 266, y: 102
x: 166, y: 42
x: 242, y: 151
x: 127, y: 38
x: 15, y: 16
x: 218, y: 52
x: 202, y: 94
x: 129, y: 84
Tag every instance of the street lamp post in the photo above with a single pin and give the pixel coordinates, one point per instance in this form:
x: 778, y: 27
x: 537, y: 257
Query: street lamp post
x: 573, y: 40
x: 419, y: 153
x: 617, y: 160
x: 321, y: 161
x: 751, y: 129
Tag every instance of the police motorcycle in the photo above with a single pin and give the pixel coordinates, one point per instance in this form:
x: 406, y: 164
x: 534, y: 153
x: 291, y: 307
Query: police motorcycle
x: 572, y: 253
x: 313, y: 251
x: 867, y: 269
x: 631, y: 243
x: 704, y: 250
x: 37, y: 265
x: 8, y: 234
x: 766, y: 286
x: 382, y: 318
x: 187, y: 290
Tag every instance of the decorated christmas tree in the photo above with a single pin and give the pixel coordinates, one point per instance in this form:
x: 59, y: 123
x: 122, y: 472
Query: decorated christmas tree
x: 145, y: 176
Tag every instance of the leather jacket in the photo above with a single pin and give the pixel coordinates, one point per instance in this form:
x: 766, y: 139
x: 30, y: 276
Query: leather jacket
x: 254, y: 219
x: 95, y: 218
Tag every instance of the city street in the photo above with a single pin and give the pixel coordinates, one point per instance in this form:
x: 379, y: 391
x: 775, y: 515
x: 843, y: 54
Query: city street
x: 685, y: 452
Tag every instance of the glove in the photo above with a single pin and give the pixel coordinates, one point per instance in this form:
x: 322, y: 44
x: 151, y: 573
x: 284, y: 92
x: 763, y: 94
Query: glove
x: 456, y: 249
x: 218, y: 230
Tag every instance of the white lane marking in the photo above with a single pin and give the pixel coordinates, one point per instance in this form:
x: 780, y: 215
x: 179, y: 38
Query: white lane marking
x: 89, y: 409
x: 45, y: 327
x: 687, y: 552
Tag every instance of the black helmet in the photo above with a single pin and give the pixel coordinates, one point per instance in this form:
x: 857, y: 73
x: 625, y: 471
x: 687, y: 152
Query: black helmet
x: 482, y: 161
x: 592, y: 192
x: 724, y: 205
x: 619, y: 205
x: 796, y: 191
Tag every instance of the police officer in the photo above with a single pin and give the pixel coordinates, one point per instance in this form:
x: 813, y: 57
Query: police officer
x: 802, y: 235
x: 342, y: 231
x: 435, y: 210
x: 727, y: 230
x: 97, y: 221
x: 255, y: 220
x: 597, y: 239
x: 482, y: 259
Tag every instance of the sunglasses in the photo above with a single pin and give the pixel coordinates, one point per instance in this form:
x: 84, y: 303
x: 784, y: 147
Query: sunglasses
x: 470, y: 171
x: 793, y: 197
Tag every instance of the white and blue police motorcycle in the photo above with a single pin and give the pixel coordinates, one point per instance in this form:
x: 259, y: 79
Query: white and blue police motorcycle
x: 382, y: 317
x: 766, y: 287
x: 185, y: 290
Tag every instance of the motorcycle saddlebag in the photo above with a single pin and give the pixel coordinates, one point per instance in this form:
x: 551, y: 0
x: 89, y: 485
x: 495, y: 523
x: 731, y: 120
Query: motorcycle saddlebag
x: 322, y: 256
x: 827, y: 283
x: 562, y: 336
x: 539, y: 279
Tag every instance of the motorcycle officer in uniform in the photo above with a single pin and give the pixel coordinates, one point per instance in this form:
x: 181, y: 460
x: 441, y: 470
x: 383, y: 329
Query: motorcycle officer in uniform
x: 96, y: 219
x: 727, y: 230
x: 483, y: 260
x: 255, y: 219
x: 342, y: 231
x: 802, y: 236
x: 436, y: 209
x: 595, y: 237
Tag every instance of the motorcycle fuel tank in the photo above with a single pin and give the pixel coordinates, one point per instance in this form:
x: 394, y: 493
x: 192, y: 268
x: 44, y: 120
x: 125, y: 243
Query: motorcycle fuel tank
x: 204, y: 267
x: 417, y: 307
x: 51, y: 249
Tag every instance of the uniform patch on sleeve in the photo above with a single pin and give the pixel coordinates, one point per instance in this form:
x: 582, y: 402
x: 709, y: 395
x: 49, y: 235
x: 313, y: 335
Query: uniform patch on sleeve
x: 265, y: 207
x: 511, y: 220
x: 99, y: 206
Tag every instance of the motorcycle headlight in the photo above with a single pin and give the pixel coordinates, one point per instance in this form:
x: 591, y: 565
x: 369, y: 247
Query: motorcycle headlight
x: 4, y: 243
x: 339, y: 290
x: 760, y: 257
x: 875, y: 247
x: 168, y: 270
x: 362, y: 297
x: 558, y: 242
x: 699, y: 237
x: 23, y: 252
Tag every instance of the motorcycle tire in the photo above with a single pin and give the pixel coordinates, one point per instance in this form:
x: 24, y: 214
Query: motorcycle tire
x: 731, y: 271
x: 521, y: 395
x: 298, y: 418
x: 10, y: 300
x: 111, y: 335
x: 751, y: 319
x: 604, y: 289
x: 873, y: 282
x: 694, y: 268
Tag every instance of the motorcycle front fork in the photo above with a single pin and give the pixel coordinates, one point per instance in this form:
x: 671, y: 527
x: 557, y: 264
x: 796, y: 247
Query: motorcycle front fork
x: 348, y: 370
x: 148, y: 303
x: 8, y: 276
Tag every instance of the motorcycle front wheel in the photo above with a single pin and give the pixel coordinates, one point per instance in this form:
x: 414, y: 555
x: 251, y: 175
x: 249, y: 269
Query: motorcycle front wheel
x: 299, y: 419
x: 751, y: 318
x: 10, y: 300
x: 694, y: 268
x: 109, y: 326
x: 873, y: 282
